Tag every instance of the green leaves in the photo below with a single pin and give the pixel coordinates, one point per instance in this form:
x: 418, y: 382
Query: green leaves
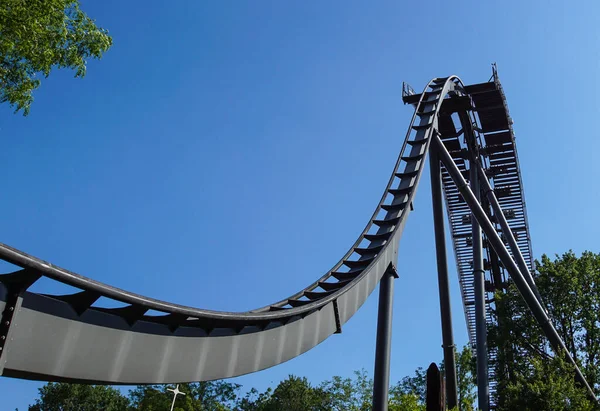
x: 39, y: 35
x: 208, y: 395
x: 74, y: 397
x: 548, y: 386
x: 527, y: 372
x: 292, y: 394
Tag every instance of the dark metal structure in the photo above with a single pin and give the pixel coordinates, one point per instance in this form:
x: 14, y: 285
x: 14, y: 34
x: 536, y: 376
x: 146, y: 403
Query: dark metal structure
x: 75, y: 338
x: 443, y: 281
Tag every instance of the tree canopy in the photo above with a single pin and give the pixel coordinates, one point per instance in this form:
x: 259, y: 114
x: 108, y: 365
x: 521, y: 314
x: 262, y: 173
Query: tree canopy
x: 530, y: 376
x: 39, y: 35
x: 78, y: 397
x: 292, y: 394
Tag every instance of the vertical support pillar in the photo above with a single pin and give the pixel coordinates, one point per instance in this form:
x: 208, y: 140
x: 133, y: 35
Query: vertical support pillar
x: 479, y: 286
x: 383, y: 345
x: 444, y: 288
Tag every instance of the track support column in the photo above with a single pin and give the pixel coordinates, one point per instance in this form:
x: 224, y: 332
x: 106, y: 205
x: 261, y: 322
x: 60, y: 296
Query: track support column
x: 444, y: 288
x: 483, y: 393
x: 383, y: 347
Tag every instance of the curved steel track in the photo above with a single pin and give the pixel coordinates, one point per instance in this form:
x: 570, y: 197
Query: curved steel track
x: 71, y: 338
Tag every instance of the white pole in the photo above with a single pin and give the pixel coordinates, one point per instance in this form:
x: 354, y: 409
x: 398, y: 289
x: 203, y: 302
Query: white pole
x: 176, y: 392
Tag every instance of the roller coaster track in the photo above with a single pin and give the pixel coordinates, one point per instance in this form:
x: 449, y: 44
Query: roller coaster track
x: 74, y: 338
x: 68, y: 337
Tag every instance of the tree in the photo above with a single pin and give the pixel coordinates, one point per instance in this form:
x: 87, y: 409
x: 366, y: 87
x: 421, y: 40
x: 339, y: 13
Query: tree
x: 292, y: 394
x: 349, y: 394
x: 79, y: 397
x: 414, y: 386
x: 254, y: 401
x: 205, y: 396
x: 296, y: 394
x: 38, y: 35
x: 548, y: 386
x: 152, y: 398
x: 405, y: 402
x: 527, y: 369
x: 342, y: 393
x: 466, y: 379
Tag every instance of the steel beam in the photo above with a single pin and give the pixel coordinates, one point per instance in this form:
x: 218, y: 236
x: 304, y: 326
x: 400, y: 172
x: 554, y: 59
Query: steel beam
x: 498, y: 245
x: 508, y: 234
x: 383, y: 348
x: 443, y: 284
x: 483, y: 391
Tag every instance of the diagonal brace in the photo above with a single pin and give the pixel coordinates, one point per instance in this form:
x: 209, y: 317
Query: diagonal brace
x: 512, y: 242
x: 498, y: 245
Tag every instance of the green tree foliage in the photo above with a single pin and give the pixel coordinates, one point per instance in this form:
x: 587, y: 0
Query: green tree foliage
x: 412, y: 386
x: 529, y: 376
x: 405, y: 402
x: 75, y: 397
x: 292, y: 394
x: 349, y: 394
x: 297, y: 394
x: 466, y: 379
x: 205, y: 396
x: 254, y: 401
x: 545, y: 388
x: 38, y: 35
x: 153, y: 398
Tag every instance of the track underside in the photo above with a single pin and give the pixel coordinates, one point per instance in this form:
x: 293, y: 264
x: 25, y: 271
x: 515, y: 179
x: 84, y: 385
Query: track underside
x: 74, y: 338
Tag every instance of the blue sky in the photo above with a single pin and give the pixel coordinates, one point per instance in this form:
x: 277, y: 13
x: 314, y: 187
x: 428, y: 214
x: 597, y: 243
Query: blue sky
x: 226, y: 155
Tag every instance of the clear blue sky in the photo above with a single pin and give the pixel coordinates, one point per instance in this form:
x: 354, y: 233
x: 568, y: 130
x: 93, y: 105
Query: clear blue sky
x: 225, y: 155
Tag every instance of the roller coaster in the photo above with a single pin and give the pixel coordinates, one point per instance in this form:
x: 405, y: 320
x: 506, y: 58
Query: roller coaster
x: 467, y: 132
